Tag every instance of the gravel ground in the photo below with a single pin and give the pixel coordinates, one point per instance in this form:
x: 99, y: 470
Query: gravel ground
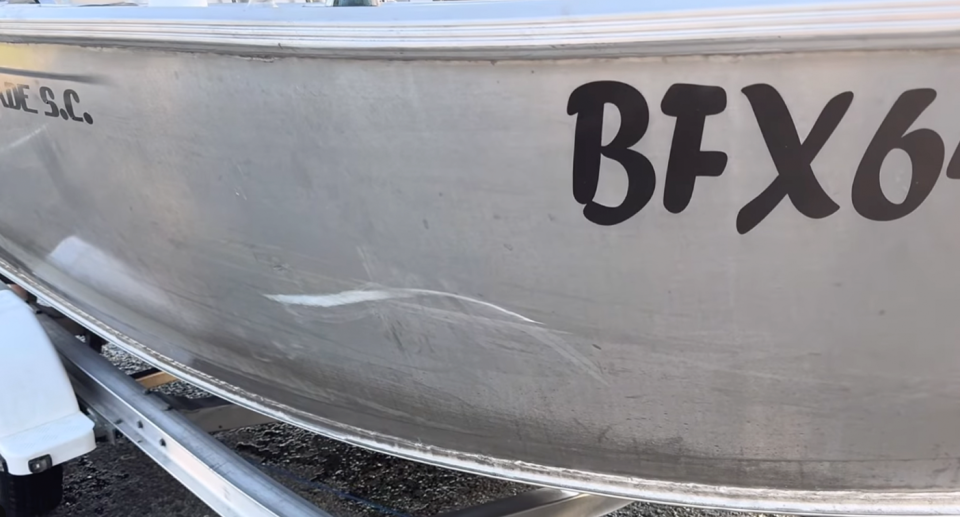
x: 120, y: 481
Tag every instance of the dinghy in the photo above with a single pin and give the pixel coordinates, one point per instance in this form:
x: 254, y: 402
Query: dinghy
x: 690, y: 252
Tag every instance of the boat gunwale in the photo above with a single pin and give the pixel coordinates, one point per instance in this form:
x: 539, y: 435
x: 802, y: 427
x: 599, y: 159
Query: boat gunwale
x: 497, y: 30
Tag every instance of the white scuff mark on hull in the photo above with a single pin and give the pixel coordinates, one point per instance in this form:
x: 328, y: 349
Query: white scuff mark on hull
x: 549, y: 338
x: 22, y: 140
x: 334, y: 299
x: 363, y: 296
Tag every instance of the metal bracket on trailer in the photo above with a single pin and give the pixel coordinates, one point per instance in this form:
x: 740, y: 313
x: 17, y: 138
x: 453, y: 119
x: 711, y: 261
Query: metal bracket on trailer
x: 215, y: 414
x: 180, y: 443
x: 223, y: 480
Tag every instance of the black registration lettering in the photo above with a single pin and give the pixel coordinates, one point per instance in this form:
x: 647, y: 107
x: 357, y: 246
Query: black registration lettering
x: 691, y: 104
x: 791, y: 157
x: 587, y: 102
x: 923, y: 146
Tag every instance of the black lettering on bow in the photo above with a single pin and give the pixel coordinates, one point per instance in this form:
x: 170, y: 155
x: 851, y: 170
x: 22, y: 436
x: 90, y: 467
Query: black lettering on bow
x: 22, y: 97
x: 953, y: 168
x: 47, y: 96
x: 70, y: 97
x: 9, y: 97
x: 792, y: 158
x: 587, y: 103
x: 691, y: 104
x: 923, y: 146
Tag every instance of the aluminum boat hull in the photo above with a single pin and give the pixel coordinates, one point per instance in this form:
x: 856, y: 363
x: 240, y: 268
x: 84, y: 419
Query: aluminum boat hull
x: 710, y: 273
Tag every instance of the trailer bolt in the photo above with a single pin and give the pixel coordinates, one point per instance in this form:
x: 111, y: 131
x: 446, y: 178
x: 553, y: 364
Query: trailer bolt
x: 38, y: 465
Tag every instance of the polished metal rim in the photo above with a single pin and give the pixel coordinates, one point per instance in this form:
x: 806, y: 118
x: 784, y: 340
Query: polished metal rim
x: 514, y: 29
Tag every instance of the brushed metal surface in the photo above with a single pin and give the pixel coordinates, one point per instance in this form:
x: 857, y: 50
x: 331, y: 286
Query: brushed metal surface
x: 394, y: 246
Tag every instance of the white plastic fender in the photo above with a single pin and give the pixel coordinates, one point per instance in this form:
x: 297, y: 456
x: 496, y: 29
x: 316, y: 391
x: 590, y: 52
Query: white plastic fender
x: 39, y: 414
